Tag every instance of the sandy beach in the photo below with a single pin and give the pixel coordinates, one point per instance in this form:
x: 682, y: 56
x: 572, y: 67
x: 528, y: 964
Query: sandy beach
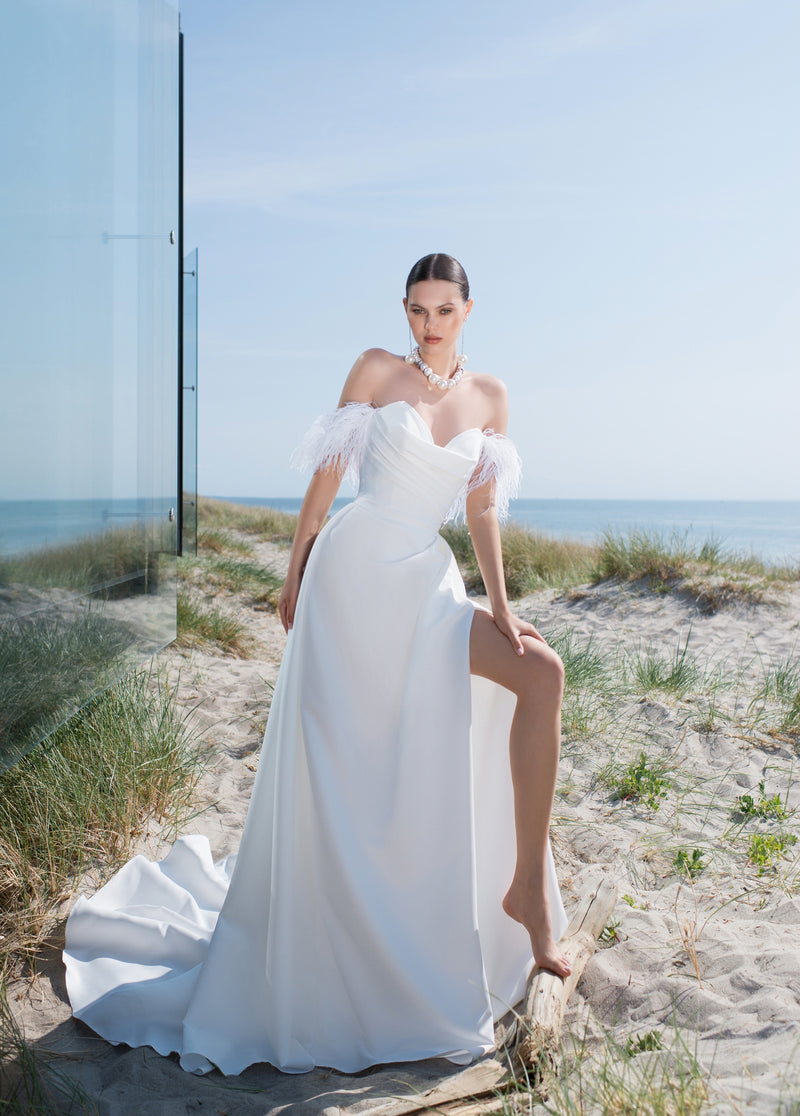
x: 677, y: 781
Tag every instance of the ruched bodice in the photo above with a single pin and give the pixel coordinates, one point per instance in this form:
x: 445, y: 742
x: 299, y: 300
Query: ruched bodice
x: 405, y: 476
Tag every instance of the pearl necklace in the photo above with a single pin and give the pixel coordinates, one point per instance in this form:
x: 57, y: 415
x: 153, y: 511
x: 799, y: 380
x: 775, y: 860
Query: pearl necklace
x: 414, y: 357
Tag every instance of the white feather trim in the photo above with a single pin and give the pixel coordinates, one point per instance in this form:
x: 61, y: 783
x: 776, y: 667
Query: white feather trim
x: 336, y: 440
x: 499, y: 463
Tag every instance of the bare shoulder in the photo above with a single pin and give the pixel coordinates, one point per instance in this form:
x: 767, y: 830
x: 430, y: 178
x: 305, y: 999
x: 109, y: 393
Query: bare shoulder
x: 494, y: 400
x: 369, y: 372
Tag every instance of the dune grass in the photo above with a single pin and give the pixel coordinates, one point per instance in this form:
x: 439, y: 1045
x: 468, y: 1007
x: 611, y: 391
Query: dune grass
x: 201, y: 624
x: 707, y: 573
x: 31, y: 1084
x: 112, y: 557
x: 50, y: 663
x: 267, y: 523
x: 260, y: 584
x: 79, y: 800
x: 531, y: 560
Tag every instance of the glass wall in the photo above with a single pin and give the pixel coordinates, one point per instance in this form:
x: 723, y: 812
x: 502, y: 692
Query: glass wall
x: 88, y: 361
x: 189, y: 420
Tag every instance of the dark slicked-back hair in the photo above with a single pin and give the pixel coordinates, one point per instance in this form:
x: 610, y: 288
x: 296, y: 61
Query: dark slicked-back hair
x: 439, y: 266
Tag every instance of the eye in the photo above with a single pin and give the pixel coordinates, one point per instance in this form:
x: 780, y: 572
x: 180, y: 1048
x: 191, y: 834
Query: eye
x: 417, y: 310
x: 447, y: 310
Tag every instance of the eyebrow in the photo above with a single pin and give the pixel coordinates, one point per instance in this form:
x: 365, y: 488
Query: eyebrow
x: 439, y: 307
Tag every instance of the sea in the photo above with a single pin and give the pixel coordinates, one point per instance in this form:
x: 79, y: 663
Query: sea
x: 769, y: 529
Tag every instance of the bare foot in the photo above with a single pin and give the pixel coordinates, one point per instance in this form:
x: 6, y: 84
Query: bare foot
x: 533, y: 913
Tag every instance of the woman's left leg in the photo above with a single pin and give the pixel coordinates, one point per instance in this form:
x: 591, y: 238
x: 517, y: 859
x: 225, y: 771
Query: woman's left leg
x: 537, y: 679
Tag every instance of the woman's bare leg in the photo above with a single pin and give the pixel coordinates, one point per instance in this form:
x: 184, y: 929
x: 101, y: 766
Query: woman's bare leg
x: 537, y: 679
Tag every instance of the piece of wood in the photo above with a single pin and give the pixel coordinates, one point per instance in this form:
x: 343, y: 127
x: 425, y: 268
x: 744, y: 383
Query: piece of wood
x: 534, y: 1046
x: 482, y: 1079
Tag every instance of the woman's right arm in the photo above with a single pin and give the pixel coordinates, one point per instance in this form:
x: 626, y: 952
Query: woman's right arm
x: 319, y: 496
x: 359, y: 388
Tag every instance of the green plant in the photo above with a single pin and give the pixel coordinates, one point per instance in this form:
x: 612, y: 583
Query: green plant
x: 531, y: 560
x: 643, y: 555
x: 650, y: 1040
x: 221, y: 541
x: 676, y: 675
x: 609, y: 935
x: 629, y: 899
x: 265, y: 522
x: 766, y: 849
x: 689, y: 865
x: 50, y: 664
x: 763, y: 807
x: 607, y: 1079
x: 30, y: 1083
x: 259, y: 582
x: 781, y: 686
x: 79, y: 799
x: 638, y: 781
x: 198, y: 624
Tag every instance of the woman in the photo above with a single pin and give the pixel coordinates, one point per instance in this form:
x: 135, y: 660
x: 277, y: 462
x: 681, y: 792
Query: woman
x: 369, y: 916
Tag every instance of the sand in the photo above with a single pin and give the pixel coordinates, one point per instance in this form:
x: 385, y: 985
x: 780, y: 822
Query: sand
x: 710, y: 966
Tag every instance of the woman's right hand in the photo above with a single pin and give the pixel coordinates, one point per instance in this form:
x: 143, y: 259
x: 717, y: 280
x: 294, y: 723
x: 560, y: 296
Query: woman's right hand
x: 287, y: 601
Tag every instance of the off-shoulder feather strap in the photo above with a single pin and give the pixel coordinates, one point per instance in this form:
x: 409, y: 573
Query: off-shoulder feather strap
x: 336, y: 439
x: 500, y: 463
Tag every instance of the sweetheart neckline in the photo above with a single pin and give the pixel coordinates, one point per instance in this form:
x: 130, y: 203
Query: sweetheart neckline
x: 415, y: 412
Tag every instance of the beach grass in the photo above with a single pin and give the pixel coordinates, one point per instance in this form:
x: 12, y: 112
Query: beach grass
x: 110, y: 559
x: 711, y: 576
x: 654, y: 1073
x: 50, y: 663
x: 260, y: 584
x: 79, y: 800
x: 201, y: 624
x: 531, y: 560
x: 265, y: 522
x: 31, y: 1083
x: 219, y: 540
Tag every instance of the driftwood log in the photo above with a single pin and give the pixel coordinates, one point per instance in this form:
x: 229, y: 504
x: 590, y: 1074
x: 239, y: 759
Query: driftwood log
x: 531, y: 1043
x: 533, y: 1040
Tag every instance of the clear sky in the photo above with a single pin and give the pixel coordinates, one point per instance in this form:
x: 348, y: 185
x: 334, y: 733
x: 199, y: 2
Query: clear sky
x: 620, y: 180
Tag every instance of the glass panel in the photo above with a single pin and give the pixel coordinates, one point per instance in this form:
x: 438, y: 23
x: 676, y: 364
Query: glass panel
x: 189, y: 516
x: 88, y: 419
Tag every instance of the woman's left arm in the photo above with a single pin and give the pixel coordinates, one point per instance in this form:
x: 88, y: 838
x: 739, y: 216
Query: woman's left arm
x: 485, y: 534
x: 484, y: 531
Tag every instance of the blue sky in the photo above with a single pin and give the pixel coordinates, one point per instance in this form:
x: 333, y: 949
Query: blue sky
x: 618, y: 178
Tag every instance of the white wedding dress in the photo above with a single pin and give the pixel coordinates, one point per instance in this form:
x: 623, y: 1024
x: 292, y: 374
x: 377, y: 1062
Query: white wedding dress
x: 361, y: 920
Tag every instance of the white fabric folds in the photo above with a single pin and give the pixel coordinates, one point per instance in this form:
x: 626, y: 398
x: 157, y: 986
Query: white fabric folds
x: 362, y: 921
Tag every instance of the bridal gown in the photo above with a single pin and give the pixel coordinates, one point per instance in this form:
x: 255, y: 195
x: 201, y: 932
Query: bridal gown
x: 361, y: 920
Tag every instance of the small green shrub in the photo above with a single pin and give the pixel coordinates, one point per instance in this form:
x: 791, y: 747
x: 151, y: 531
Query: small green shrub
x: 763, y: 807
x: 650, y: 1040
x: 686, y: 864
x: 638, y: 781
x: 609, y: 934
x: 766, y: 849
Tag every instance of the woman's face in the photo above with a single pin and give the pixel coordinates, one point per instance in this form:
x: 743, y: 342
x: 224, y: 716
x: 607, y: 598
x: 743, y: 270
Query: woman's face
x: 436, y: 313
